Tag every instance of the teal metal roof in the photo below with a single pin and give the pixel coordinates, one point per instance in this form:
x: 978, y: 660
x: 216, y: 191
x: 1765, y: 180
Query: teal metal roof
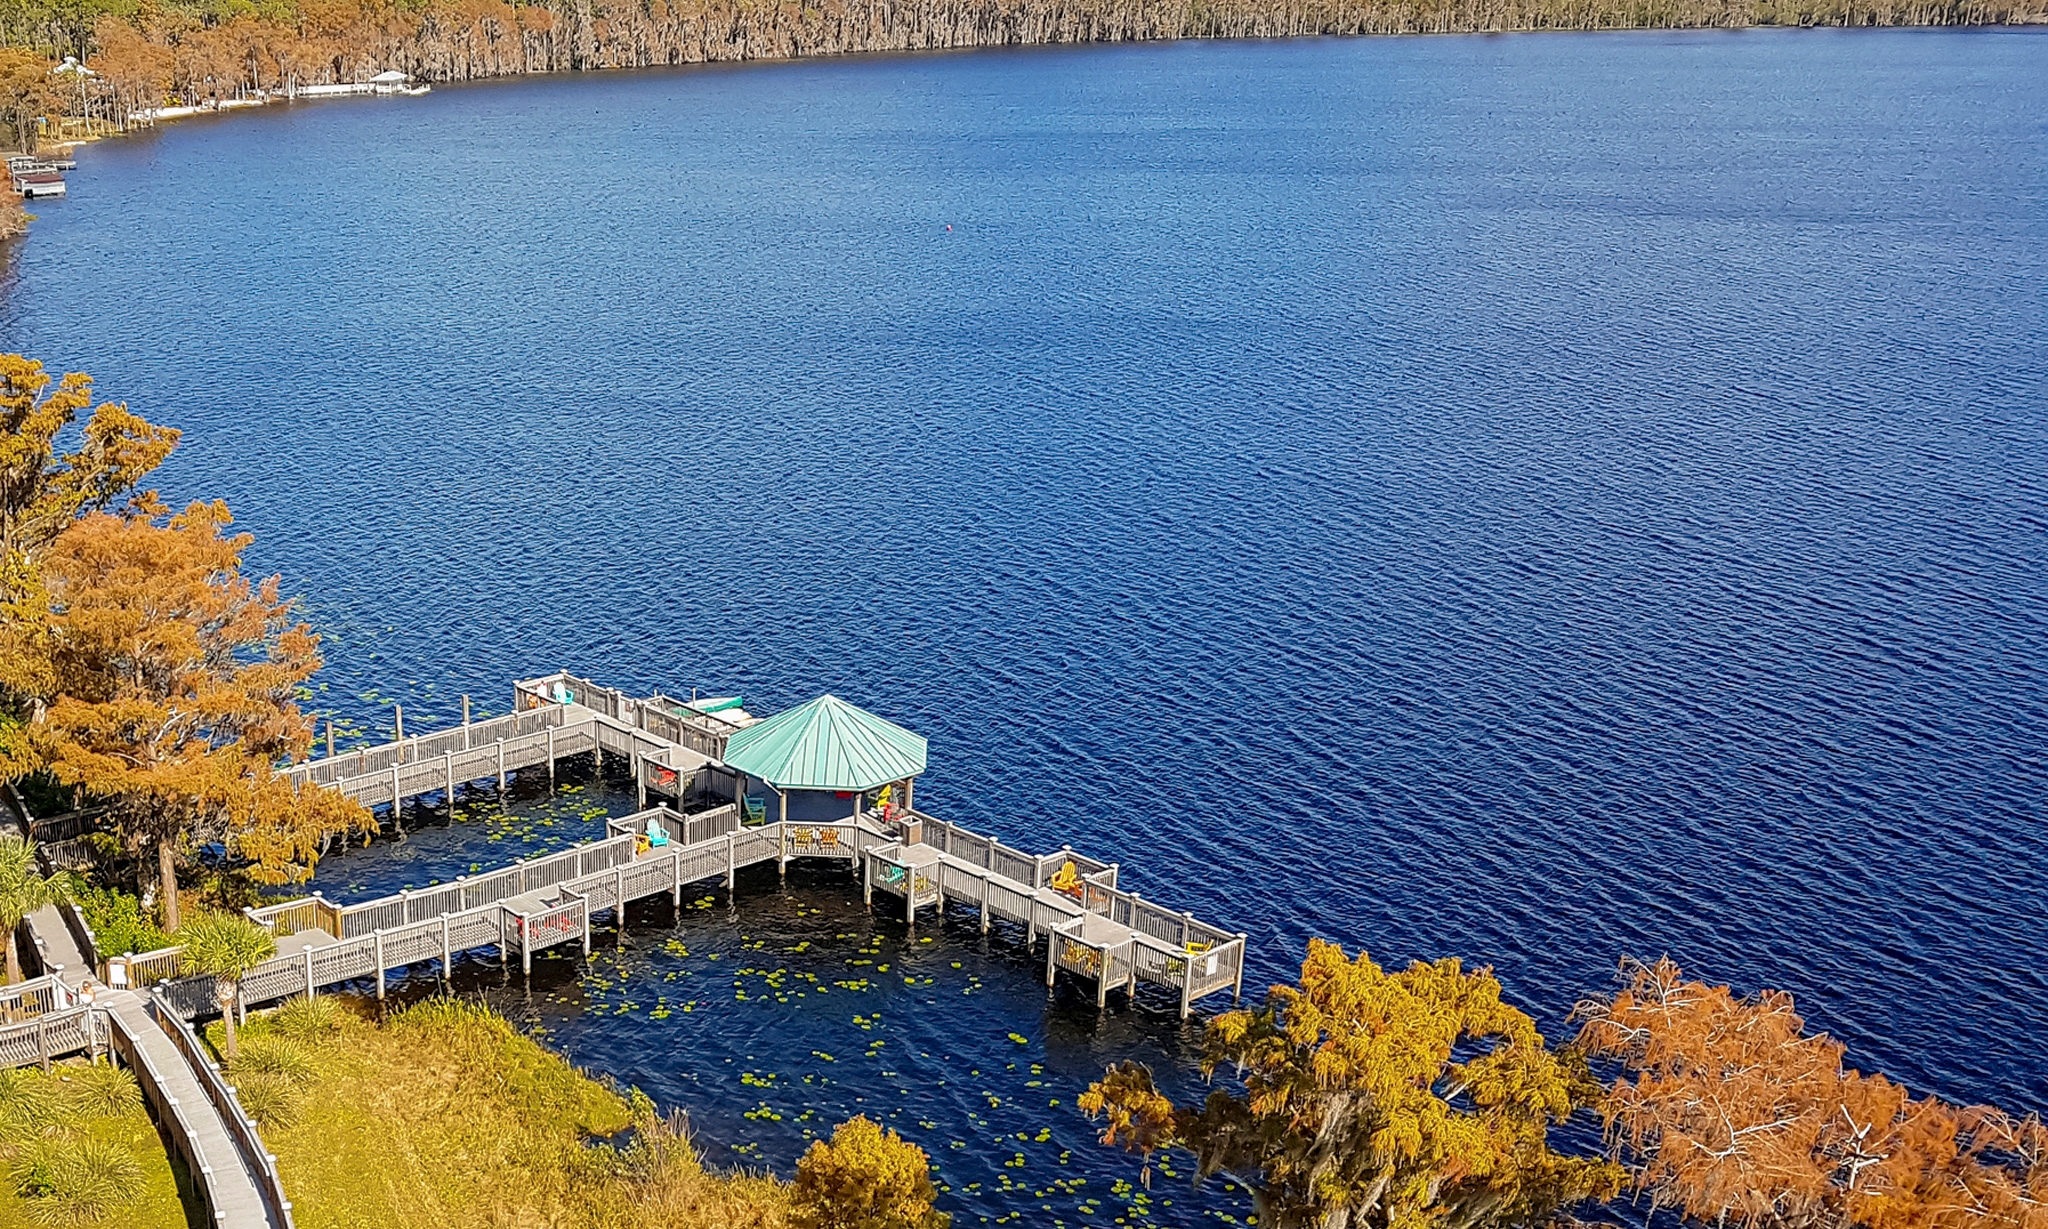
x: 826, y: 744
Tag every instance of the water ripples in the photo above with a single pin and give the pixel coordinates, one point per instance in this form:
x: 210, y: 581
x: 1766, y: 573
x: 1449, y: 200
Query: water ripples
x: 1534, y: 499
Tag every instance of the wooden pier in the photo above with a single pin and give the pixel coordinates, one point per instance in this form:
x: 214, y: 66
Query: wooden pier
x: 703, y: 826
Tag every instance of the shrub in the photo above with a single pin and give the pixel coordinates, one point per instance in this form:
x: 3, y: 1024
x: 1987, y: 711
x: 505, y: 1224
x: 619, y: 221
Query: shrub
x: 271, y: 1099
x: 27, y: 1104
x: 75, y: 1181
x: 279, y: 1056
x: 308, y: 1020
x: 101, y: 1090
x: 866, y: 1178
x: 118, y: 922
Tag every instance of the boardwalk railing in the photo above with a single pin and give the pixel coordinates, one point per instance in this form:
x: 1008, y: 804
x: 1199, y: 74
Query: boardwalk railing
x: 440, y: 922
x: 549, y: 900
x: 475, y: 737
x: 173, y: 1117
x: 132, y: 971
x: 262, y: 1165
x: 665, y: 717
x: 68, y: 1030
x: 37, y: 996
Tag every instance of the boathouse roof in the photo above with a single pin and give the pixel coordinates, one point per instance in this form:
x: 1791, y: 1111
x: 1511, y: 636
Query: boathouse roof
x: 826, y: 744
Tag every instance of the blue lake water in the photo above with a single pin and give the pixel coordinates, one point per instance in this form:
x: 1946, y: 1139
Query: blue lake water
x: 1538, y: 499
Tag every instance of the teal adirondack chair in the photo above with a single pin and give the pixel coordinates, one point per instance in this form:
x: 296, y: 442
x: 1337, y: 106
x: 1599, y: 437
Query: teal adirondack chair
x: 756, y: 811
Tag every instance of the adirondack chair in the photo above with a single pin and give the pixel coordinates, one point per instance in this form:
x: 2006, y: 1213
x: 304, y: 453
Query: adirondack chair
x: 756, y: 811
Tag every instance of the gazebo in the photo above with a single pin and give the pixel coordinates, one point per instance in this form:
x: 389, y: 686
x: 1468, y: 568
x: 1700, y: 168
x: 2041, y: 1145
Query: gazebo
x: 825, y: 760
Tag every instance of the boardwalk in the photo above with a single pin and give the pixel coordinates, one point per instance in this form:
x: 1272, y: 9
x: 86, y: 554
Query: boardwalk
x: 49, y: 1017
x: 1093, y: 928
x: 704, y: 826
x: 237, y: 1181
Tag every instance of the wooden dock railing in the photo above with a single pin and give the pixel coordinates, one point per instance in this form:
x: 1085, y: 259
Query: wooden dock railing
x: 241, y: 1128
x: 549, y: 900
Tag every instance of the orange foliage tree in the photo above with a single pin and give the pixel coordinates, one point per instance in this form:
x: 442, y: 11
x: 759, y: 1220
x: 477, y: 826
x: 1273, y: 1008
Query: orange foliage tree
x: 1376, y: 1100
x: 177, y: 681
x: 43, y: 492
x: 28, y: 93
x: 1731, y: 1112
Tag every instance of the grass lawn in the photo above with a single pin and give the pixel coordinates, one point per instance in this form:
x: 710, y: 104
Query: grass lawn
x: 67, y: 1114
x: 444, y: 1115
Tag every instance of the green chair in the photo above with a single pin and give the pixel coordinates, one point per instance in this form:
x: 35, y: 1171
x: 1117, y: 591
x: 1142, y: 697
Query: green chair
x: 756, y: 811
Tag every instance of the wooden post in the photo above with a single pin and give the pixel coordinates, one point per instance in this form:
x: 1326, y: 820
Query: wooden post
x: 330, y: 739
x: 448, y: 764
x: 676, y: 864
x: 398, y: 718
x: 910, y: 896
x: 465, y: 708
x: 1102, y: 982
x: 586, y: 925
x: 311, y: 990
x: 1051, y: 946
x: 730, y: 865
x: 447, y: 951
x: 397, y: 802
x: 907, y: 782
x: 1237, y: 986
x: 380, y: 963
x: 867, y: 878
x: 639, y: 779
x: 1031, y: 910
x: 619, y: 891
x: 985, y: 877
x: 781, y: 840
x: 501, y: 936
x: 551, y: 759
x: 501, y: 770
x: 526, y: 943
x: 43, y: 1042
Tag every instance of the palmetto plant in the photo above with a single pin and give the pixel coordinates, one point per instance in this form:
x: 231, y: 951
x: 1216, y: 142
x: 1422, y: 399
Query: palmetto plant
x: 23, y: 890
x: 226, y: 946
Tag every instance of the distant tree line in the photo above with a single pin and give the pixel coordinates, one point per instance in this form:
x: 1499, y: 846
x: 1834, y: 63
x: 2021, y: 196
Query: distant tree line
x: 149, y: 53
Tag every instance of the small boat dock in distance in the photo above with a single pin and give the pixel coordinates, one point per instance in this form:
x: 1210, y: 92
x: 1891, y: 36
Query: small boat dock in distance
x: 34, y: 176
x: 825, y: 780
x: 390, y: 81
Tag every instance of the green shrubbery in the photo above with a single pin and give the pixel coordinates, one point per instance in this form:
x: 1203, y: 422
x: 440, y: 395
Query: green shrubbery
x: 117, y: 920
x: 60, y: 1171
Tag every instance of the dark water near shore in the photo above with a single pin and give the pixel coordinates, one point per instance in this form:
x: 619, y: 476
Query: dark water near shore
x: 1536, y: 499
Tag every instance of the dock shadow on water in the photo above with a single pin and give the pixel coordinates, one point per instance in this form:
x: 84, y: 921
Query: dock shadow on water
x: 773, y: 1012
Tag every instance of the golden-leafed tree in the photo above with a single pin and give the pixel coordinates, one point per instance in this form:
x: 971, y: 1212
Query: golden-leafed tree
x: 176, y: 678
x: 135, y: 68
x: 28, y: 93
x: 1374, y: 1100
x: 43, y: 491
x: 1731, y: 1112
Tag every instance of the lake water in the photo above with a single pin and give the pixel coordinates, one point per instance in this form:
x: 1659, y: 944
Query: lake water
x: 1537, y: 499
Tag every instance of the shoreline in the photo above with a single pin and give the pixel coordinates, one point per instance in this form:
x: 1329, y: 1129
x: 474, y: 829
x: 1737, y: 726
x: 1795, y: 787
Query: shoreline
x: 146, y: 117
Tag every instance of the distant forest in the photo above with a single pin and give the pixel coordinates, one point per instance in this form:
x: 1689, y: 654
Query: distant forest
x: 151, y: 52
